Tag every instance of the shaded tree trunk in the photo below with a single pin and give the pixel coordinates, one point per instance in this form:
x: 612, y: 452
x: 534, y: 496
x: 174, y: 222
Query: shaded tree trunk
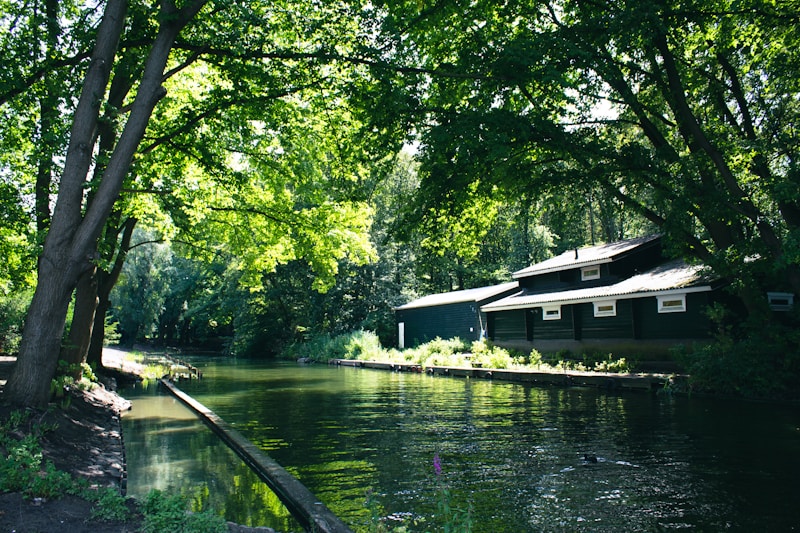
x: 80, y: 332
x: 88, y: 323
x: 94, y: 354
x: 72, y: 239
x: 106, y: 282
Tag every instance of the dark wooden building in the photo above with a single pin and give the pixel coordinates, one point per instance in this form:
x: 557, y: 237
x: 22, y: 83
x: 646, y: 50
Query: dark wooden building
x: 447, y: 315
x: 621, y: 297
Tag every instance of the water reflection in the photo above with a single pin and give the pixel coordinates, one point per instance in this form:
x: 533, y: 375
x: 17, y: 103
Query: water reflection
x: 512, y: 452
x: 168, y: 448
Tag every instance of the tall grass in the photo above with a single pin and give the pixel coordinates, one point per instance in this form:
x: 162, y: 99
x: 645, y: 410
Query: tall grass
x: 358, y: 345
x: 365, y: 346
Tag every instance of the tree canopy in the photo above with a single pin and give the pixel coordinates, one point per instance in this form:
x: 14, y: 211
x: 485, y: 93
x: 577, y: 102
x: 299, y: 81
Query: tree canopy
x: 258, y: 140
x: 222, y: 120
x: 681, y: 113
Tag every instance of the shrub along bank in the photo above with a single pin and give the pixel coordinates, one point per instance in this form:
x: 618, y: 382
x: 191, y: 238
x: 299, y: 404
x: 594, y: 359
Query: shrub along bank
x: 758, y: 365
x: 24, y: 469
x: 365, y: 346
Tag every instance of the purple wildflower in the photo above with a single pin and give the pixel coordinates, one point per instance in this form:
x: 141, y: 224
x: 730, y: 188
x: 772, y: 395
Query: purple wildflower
x: 437, y: 465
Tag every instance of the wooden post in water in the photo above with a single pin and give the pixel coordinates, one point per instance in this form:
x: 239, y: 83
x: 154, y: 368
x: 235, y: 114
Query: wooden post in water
x: 304, y: 506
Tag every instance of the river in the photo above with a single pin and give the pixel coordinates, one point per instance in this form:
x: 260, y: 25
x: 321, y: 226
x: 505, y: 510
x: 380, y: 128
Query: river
x: 511, y: 455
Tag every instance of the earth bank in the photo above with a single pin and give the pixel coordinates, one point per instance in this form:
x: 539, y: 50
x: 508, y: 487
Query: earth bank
x: 87, y: 443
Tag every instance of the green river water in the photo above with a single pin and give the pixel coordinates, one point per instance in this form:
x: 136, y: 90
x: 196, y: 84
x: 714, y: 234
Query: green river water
x: 512, y: 453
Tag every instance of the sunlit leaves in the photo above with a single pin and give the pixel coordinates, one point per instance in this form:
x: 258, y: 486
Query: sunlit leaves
x: 252, y: 155
x: 682, y: 112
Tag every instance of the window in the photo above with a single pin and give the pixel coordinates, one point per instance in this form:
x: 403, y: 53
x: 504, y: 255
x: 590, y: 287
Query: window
x: 780, y: 301
x: 589, y: 273
x: 605, y: 308
x: 551, y: 312
x: 674, y: 303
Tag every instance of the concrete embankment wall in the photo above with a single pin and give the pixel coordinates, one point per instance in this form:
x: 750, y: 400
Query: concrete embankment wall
x: 304, y: 506
x: 604, y: 380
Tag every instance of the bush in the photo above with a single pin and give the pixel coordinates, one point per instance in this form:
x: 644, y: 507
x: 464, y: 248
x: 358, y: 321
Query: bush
x: 169, y: 512
x: 489, y: 356
x: 754, y: 361
x: 12, y: 316
x: 438, y: 352
x: 363, y: 345
x: 22, y: 465
x: 535, y: 358
x: 110, y: 505
x: 111, y: 334
x: 610, y: 364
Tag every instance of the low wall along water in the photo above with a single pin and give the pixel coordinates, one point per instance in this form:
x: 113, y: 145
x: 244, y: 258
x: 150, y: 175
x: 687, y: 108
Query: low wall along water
x: 512, y: 452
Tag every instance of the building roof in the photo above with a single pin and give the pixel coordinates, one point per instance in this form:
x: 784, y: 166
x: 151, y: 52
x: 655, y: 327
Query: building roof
x: 593, y: 255
x: 467, y: 295
x: 673, y: 277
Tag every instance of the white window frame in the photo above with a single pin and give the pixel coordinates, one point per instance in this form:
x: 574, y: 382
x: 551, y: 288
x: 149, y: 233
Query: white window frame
x: 547, y: 312
x: 589, y: 273
x: 674, y: 303
x: 780, y: 301
x: 598, y: 312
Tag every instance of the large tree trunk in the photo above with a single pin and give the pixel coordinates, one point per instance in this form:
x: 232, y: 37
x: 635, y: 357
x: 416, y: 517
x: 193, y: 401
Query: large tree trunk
x: 29, y: 383
x: 94, y: 355
x: 80, y: 332
x: 70, y: 244
x: 106, y: 282
x: 61, y: 262
x: 88, y: 296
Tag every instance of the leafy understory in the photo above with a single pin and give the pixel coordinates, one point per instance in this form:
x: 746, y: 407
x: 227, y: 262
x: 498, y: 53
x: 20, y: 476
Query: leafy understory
x: 366, y: 346
x: 24, y: 469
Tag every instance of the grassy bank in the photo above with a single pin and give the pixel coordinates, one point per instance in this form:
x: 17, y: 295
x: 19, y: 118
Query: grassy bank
x: 23, y: 469
x: 365, y: 346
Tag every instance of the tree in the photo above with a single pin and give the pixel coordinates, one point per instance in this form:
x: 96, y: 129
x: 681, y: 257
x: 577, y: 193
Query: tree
x: 255, y: 54
x: 681, y: 113
x: 71, y: 240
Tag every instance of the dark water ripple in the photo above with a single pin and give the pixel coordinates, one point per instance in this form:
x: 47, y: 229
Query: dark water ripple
x: 512, y: 453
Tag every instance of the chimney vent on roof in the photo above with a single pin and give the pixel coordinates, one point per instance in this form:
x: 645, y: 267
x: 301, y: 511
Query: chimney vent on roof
x: 576, y: 254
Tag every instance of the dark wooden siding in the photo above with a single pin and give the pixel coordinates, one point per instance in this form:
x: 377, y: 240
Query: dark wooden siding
x: 542, y: 281
x: 424, y: 324
x: 553, y: 329
x: 692, y: 324
x: 636, y: 319
x: 607, y: 327
x: 567, y: 279
x: 624, y: 266
x: 635, y: 262
x: 507, y: 326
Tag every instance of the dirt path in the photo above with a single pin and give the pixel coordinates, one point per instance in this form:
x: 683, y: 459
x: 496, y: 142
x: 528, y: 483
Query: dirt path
x: 120, y: 359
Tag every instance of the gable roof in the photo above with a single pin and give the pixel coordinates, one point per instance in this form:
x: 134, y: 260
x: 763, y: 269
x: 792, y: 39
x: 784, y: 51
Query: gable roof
x: 673, y: 277
x: 593, y: 255
x: 468, y: 295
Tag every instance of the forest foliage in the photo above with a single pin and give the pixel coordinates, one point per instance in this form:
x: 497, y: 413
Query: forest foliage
x: 246, y: 175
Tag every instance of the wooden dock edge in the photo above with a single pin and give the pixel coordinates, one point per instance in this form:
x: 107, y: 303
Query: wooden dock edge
x: 312, y: 514
x: 602, y: 380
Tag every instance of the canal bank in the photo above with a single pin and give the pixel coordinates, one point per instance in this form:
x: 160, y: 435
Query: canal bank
x: 602, y: 380
x: 86, y: 443
x: 132, y: 370
x: 304, y: 506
